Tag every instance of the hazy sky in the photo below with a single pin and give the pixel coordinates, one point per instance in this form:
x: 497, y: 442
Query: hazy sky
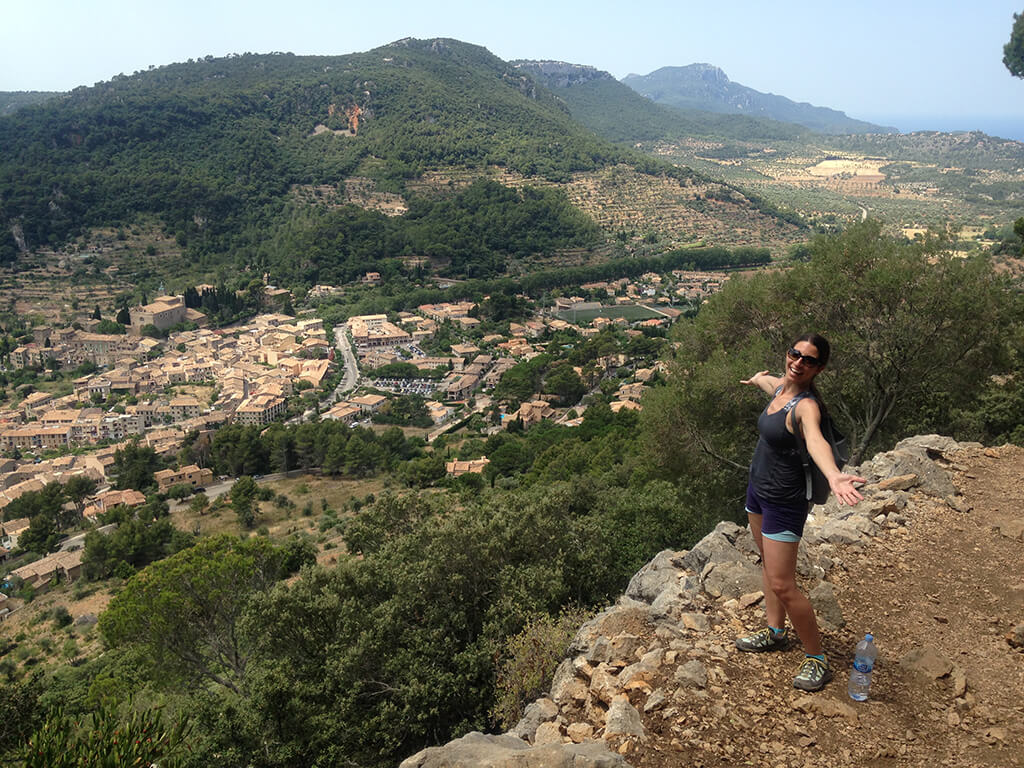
x: 875, y: 60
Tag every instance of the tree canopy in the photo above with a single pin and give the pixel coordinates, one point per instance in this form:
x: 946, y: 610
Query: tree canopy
x: 184, y: 611
x: 1013, y: 51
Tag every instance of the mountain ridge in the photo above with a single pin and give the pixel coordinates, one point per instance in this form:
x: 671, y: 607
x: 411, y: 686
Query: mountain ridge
x: 707, y: 87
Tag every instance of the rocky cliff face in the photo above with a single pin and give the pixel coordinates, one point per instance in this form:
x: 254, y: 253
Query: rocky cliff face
x: 561, y: 74
x: 928, y: 562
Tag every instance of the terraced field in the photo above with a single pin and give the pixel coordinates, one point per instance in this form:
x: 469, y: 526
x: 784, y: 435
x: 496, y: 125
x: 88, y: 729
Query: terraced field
x: 675, y: 213
x: 831, y: 186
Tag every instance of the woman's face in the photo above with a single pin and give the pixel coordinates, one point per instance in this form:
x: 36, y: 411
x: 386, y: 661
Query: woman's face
x: 801, y: 363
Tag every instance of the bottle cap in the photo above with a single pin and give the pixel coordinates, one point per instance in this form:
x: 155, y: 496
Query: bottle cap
x: 869, y: 637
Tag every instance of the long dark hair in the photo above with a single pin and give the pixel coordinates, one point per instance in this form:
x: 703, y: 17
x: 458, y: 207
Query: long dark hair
x: 824, y: 353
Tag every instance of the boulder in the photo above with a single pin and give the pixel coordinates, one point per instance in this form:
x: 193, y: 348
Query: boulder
x: 692, y: 674
x: 537, y: 712
x: 732, y: 579
x: 823, y: 598
x: 927, y: 661
x: 917, y: 456
x: 476, y: 750
x: 580, y: 732
x: 623, y: 719
x: 1012, y: 529
x: 609, y: 623
x: 719, y: 546
x: 651, y: 580
x: 548, y: 733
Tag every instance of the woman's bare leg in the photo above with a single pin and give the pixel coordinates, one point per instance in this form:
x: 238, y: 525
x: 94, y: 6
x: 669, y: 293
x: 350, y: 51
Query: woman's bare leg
x: 779, y: 558
x: 775, y: 611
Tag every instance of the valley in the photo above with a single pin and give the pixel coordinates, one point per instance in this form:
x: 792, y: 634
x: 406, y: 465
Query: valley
x: 334, y: 389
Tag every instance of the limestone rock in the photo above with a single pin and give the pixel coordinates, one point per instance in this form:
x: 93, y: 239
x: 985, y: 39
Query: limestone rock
x: 852, y: 530
x: 580, y: 732
x: 695, y: 621
x: 658, y: 575
x: 536, y: 713
x: 1015, y: 637
x: 625, y: 646
x: 643, y: 671
x: 820, y: 705
x: 608, y: 623
x: 959, y: 679
x: 732, y: 579
x: 751, y: 598
x: 823, y: 598
x: 1012, y: 529
x: 692, y: 674
x: 475, y: 750
x: 916, y: 456
x: 604, y: 684
x: 674, y: 600
x: 719, y: 546
x: 547, y: 733
x: 563, y: 681
x: 600, y: 651
x: 623, y: 719
x: 656, y: 700
x: 896, y: 483
x: 927, y: 661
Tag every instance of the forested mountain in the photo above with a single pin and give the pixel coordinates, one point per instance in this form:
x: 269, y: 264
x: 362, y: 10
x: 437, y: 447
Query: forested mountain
x: 706, y: 87
x: 617, y: 112
x: 217, y: 148
x: 12, y: 101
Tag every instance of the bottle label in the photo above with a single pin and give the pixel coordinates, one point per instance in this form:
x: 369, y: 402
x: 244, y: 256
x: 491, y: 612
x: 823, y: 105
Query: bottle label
x: 863, y: 665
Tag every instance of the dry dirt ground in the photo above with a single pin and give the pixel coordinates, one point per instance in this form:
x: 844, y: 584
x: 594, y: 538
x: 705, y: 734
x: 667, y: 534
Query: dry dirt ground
x: 950, y: 580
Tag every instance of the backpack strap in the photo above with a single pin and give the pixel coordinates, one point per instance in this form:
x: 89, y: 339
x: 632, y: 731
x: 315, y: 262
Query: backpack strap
x: 791, y: 406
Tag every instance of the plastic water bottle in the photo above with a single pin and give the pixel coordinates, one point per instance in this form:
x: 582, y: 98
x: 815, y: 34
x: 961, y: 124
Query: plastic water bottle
x: 863, y: 662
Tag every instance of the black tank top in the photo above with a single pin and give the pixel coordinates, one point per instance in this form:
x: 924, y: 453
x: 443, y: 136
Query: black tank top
x: 777, y: 471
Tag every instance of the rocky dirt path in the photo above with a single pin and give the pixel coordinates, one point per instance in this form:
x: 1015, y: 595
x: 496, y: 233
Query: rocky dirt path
x: 948, y: 586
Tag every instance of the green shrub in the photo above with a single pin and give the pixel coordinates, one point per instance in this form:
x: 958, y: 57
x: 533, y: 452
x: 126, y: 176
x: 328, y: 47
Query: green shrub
x: 527, y: 662
x: 139, y: 738
x: 61, y: 616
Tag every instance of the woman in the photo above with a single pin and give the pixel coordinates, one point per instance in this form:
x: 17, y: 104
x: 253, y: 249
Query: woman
x: 777, y: 506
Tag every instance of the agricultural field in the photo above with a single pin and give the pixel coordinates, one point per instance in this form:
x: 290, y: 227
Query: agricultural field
x: 630, y: 312
x: 906, y: 189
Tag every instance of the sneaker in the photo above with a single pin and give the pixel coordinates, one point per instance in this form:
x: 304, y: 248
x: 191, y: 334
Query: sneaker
x: 763, y: 640
x: 813, y: 676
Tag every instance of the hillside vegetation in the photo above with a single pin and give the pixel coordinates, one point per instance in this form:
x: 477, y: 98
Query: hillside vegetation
x: 216, y: 148
x: 405, y: 634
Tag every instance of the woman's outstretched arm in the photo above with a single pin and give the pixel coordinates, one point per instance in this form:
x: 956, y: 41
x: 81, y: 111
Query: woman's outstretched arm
x: 808, y: 417
x: 764, y: 380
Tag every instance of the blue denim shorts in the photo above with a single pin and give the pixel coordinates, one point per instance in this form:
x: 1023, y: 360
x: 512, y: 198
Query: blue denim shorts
x: 779, y: 522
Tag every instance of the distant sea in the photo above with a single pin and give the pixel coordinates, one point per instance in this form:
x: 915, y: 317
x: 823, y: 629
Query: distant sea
x: 1006, y: 127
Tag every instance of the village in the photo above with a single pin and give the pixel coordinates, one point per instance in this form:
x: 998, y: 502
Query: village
x: 156, y: 393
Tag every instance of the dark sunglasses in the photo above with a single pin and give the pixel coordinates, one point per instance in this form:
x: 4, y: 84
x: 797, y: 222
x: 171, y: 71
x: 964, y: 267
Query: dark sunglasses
x: 807, y: 359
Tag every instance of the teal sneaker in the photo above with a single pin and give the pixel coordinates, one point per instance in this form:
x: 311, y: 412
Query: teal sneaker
x: 814, y: 675
x: 763, y: 640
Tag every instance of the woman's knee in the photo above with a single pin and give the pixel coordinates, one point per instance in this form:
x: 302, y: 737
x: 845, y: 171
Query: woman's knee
x: 783, y: 585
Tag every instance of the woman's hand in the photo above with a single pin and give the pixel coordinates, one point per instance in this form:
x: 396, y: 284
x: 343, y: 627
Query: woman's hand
x: 752, y: 380
x: 842, y: 487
